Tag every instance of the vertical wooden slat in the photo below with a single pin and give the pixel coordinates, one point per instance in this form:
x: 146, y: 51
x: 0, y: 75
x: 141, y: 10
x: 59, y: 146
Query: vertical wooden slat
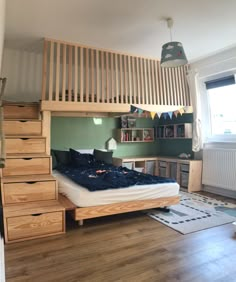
x: 125, y: 80
x: 44, y: 74
x: 58, y: 71
x: 102, y: 80
x: 107, y: 78
x: 171, y: 86
x: 112, y: 78
x: 81, y: 74
x: 130, y: 81
x: 174, y: 87
x: 184, y: 88
x: 121, y: 81
x: 164, y: 100
x: 87, y: 75
x: 97, y: 76
x: 180, y: 85
x: 70, y: 74
x: 138, y: 79
x: 76, y: 74
x: 159, y: 86
x: 64, y: 73
x: 167, y: 82
x: 51, y: 71
x: 146, y: 81
x: 142, y: 82
x: 134, y: 82
x: 92, y: 74
x: 176, y: 71
x: 117, y: 78
x: 154, y: 92
x: 149, y: 83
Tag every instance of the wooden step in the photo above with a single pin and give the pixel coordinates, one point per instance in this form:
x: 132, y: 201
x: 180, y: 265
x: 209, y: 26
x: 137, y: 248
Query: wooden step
x: 22, y: 127
x: 21, y: 110
x: 26, y: 144
x: 27, y: 164
x: 33, y: 220
x: 28, y: 189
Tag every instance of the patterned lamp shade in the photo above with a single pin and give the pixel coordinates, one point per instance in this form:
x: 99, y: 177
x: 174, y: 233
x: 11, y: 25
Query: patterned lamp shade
x: 173, y: 55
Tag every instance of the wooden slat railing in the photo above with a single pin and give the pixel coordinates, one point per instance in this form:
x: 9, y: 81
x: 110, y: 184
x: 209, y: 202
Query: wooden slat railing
x: 74, y: 73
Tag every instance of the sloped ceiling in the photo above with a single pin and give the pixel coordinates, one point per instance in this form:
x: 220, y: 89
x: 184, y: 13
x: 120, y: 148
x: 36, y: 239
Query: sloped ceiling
x: 131, y: 26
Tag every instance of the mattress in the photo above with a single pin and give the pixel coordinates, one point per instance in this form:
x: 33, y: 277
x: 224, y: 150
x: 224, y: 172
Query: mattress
x: 82, y: 197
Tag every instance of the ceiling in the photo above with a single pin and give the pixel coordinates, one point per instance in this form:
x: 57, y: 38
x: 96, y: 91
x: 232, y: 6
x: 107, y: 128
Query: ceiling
x: 131, y: 26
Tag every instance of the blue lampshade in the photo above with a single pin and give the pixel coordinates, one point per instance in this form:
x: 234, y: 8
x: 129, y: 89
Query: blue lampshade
x: 173, y: 55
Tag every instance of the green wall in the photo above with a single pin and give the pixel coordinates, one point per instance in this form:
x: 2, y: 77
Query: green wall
x: 83, y: 133
x: 173, y: 147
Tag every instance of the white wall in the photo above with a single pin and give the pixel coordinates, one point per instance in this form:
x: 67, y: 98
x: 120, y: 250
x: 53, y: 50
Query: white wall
x: 23, y: 70
x: 2, y: 28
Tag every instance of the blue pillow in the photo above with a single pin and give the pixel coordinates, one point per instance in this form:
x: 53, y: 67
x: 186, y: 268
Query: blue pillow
x: 78, y: 159
x: 104, y: 156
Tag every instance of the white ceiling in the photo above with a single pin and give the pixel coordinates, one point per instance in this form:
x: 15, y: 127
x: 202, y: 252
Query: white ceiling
x: 132, y: 26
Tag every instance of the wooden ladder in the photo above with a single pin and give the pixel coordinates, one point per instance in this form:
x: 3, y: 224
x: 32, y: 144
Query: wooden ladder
x: 28, y: 189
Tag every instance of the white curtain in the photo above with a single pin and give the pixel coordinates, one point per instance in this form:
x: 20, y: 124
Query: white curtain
x: 193, y: 81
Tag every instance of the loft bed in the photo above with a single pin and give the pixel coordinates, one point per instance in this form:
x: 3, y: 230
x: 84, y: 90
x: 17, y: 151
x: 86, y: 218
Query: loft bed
x: 79, y: 80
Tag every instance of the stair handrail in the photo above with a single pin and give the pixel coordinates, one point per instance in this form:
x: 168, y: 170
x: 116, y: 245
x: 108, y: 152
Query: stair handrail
x: 3, y: 82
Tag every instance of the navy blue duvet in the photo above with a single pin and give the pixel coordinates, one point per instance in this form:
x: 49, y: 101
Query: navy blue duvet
x: 101, y: 176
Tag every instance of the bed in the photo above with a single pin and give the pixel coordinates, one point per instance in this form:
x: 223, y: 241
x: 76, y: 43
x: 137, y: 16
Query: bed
x: 102, y: 189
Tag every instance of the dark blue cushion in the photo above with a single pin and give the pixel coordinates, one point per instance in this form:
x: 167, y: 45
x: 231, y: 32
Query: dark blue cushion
x: 78, y: 159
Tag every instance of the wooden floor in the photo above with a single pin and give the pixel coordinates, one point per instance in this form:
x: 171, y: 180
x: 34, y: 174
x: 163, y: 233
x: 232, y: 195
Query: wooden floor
x: 129, y: 247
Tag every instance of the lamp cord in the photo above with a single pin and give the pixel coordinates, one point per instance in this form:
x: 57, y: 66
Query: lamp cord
x: 170, y: 35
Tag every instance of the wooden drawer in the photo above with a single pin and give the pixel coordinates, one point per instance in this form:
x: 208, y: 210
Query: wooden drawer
x: 27, y: 166
x: 22, y: 127
x: 29, y: 192
x: 21, y: 111
x: 34, y: 225
x: 25, y: 145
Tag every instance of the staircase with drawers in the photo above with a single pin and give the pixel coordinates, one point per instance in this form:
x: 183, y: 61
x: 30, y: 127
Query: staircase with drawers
x: 28, y: 189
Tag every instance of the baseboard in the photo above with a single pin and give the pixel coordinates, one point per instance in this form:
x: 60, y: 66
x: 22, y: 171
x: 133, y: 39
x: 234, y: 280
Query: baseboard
x: 220, y: 191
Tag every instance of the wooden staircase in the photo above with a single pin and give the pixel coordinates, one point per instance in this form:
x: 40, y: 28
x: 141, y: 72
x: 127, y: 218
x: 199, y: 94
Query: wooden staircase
x: 28, y: 190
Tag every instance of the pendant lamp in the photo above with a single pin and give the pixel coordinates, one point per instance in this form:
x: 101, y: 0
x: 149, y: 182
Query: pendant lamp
x: 172, y: 54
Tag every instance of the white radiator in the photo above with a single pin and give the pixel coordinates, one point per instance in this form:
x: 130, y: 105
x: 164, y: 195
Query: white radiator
x: 219, y: 168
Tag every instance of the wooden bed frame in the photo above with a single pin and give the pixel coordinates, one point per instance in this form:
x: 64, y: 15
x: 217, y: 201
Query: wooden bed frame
x: 80, y: 214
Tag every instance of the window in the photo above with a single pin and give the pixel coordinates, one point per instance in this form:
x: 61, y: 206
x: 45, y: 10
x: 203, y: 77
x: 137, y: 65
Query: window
x: 222, y: 107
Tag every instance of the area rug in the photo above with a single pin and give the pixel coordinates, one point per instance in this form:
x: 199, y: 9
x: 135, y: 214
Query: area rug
x: 195, y: 212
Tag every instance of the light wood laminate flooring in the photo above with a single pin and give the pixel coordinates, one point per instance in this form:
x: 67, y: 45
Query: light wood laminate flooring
x: 128, y: 247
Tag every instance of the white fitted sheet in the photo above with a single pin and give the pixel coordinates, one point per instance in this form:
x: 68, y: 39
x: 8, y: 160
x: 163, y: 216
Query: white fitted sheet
x: 82, y: 197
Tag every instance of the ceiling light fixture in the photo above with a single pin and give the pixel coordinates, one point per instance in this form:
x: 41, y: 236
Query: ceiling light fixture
x: 172, y: 54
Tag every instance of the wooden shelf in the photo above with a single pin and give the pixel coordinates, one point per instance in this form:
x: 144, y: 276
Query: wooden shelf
x: 135, y: 135
x: 174, y: 131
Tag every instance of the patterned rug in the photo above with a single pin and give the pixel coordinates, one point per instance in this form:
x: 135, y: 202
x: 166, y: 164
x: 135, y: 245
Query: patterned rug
x: 194, y: 213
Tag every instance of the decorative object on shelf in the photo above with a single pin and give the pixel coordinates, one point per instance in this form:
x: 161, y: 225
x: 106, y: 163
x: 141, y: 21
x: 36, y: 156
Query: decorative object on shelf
x: 184, y: 156
x: 111, y: 144
x: 123, y: 121
x: 131, y: 122
x: 135, y: 135
x: 172, y: 54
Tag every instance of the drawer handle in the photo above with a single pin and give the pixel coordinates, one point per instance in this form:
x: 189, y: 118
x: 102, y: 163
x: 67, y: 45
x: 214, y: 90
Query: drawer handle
x: 21, y: 106
x: 36, y: 214
x: 31, y: 182
x: 27, y: 159
x: 24, y: 138
x: 22, y: 120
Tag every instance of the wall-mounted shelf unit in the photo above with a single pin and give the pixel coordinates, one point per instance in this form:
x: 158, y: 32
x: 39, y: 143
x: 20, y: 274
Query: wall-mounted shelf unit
x: 181, y: 130
x: 132, y: 135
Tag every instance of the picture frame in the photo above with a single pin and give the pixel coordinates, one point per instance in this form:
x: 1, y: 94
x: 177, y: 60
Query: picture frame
x: 131, y: 122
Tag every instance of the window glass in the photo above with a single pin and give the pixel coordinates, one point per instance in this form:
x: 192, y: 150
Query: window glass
x: 222, y: 105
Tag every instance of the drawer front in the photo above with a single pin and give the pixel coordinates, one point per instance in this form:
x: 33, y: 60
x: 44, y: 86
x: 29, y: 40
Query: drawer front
x: 29, y: 192
x: 129, y: 165
x: 162, y: 164
x: 27, y: 166
x: 21, y: 111
x: 12, y: 127
x: 33, y: 226
x: 25, y: 145
x: 184, y: 167
x: 184, y: 179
